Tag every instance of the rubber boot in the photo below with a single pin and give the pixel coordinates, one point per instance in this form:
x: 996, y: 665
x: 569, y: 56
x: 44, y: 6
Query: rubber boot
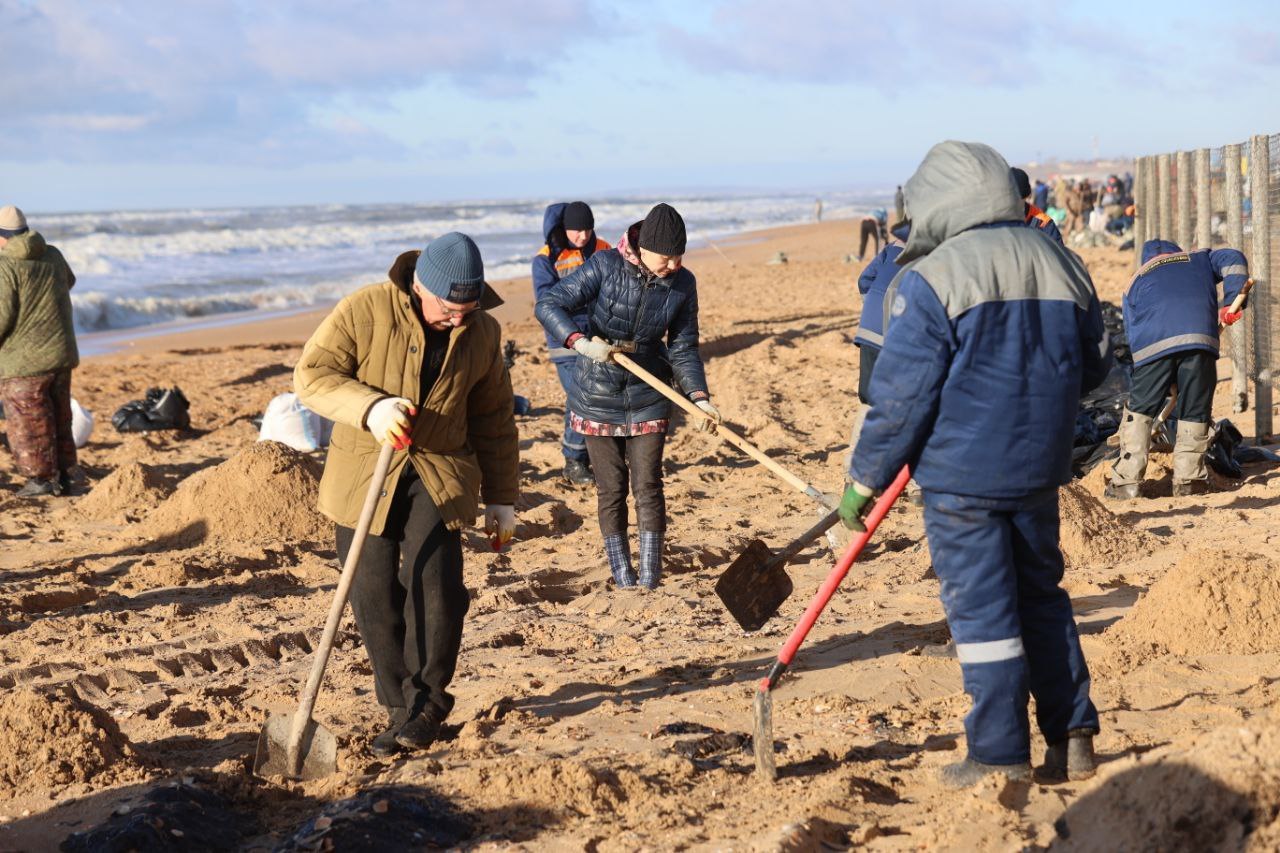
x: 1190, y: 476
x: 618, y: 550
x: 967, y: 773
x: 650, y: 558
x: 1071, y: 760
x: 384, y: 745
x: 578, y: 473
x: 1135, y: 444
x: 35, y: 487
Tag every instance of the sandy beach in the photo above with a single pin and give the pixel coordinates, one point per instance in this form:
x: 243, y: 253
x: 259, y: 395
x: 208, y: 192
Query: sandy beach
x: 149, y: 628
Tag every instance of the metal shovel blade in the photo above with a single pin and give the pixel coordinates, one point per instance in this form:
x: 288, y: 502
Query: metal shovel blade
x: 318, y: 751
x: 754, y: 586
x: 762, y: 736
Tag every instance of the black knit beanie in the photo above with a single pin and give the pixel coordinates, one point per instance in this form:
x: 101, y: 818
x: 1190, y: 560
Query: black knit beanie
x: 663, y: 231
x: 578, y: 216
x: 1022, y: 181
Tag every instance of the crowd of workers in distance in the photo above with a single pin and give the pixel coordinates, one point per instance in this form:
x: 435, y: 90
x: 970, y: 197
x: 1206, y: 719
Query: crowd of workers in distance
x: 978, y: 336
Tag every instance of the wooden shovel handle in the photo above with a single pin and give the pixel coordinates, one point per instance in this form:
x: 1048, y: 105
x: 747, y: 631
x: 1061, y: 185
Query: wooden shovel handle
x: 722, y: 430
x: 307, y: 703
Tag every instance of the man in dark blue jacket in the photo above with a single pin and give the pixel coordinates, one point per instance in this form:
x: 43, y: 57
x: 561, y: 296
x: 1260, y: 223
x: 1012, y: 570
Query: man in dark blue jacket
x: 994, y: 334
x: 1171, y: 314
x: 570, y: 240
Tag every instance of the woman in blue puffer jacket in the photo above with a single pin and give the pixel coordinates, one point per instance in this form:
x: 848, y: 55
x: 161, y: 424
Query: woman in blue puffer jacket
x: 641, y: 302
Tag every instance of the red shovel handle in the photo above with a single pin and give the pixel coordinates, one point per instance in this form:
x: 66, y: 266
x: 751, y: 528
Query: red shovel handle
x: 829, y: 586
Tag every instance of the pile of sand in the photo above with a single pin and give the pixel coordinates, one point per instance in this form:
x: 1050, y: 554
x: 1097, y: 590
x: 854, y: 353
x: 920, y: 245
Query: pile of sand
x: 52, y: 740
x: 130, y: 490
x: 1221, y: 792
x: 1091, y: 535
x: 265, y: 493
x: 1214, y: 601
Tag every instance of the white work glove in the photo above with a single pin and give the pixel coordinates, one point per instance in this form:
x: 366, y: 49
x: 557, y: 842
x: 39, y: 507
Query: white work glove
x: 499, y: 524
x: 388, y: 420
x: 596, y: 349
x: 716, y: 418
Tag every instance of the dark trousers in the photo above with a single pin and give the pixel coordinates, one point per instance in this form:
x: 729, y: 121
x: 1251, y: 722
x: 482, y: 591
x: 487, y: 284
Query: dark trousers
x: 409, y: 601
x: 999, y: 567
x: 867, y: 356
x: 637, y: 460
x: 1195, y: 372
x: 573, y: 444
x: 37, y: 412
x: 870, y: 231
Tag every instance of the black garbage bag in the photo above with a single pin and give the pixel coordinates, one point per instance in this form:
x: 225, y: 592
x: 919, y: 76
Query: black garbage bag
x: 162, y: 408
x: 1100, y: 410
x: 1222, y: 450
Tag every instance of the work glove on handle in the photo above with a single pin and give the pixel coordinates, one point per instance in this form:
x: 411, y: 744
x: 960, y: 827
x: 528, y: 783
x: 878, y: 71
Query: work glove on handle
x: 1228, y: 317
x: 499, y: 524
x: 596, y: 349
x: 708, y: 424
x: 856, y: 505
x: 389, y: 421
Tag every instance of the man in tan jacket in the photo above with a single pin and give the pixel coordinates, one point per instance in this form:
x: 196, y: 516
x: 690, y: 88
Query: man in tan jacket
x: 415, y: 362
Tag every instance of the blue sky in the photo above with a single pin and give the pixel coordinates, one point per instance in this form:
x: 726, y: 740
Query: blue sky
x: 229, y: 102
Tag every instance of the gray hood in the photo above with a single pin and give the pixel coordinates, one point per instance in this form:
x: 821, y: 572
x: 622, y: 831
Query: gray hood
x: 959, y: 185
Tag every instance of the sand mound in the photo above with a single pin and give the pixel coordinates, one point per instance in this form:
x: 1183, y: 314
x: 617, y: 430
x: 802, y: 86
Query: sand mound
x: 1091, y: 535
x: 131, y: 489
x: 265, y: 493
x: 1212, y: 602
x: 48, y: 741
x: 1222, y: 792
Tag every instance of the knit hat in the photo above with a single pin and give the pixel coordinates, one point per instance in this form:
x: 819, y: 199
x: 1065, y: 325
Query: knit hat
x: 450, y: 267
x: 12, y: 222
x: 578, y: 216
x: 1024, y: 183
x: 663, y: 231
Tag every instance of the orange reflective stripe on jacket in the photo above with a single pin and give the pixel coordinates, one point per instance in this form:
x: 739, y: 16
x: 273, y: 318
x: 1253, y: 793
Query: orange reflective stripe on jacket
x: 571, y: 259
x: 1034, y: 212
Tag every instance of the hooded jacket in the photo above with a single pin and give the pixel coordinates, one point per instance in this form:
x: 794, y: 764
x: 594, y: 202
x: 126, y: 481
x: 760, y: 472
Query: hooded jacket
x: 626, y: 303
x: 873, y: 283
x: 1172, y: 303
x: 554, y: 261
x: 464, y: 436
x: 37, y: 329
x: 995, y: 333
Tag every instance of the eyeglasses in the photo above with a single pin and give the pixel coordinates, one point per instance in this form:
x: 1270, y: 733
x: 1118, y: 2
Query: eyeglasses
x: 454, y: 313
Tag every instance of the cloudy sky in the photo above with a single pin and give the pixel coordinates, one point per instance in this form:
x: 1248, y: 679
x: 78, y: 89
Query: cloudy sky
x: 154, y: 103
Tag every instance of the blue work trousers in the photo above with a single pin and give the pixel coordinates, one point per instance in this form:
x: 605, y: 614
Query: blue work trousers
x: 999, y: 566
x: 574, y: 444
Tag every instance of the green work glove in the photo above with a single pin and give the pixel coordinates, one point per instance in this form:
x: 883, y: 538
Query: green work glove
x: 855, y: 505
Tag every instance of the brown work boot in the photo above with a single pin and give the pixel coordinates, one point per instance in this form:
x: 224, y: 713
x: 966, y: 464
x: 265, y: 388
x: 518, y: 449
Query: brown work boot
x: 967, y: 773
x: 1070, y: 760
x: 1193, y: 487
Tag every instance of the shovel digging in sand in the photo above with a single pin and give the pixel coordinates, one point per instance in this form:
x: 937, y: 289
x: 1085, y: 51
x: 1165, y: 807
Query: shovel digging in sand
x: 827, y: 502
x: 762, y: 739
x: 294, y: 745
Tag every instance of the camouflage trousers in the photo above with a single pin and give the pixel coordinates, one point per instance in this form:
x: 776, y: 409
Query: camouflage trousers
x: 37, y: 412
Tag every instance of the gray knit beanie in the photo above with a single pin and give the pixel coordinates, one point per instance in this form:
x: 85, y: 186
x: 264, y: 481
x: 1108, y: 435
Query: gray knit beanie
x: 450, y: 267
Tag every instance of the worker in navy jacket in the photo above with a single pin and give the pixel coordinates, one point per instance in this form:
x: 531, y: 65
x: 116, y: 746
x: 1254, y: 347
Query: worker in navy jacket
x: 1035, y: 216
x: 1171, y: 314
x: 994, y: 334
x: 568, y: 232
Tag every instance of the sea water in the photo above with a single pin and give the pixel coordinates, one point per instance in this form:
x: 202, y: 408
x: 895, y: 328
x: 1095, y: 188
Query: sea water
x: 139, y: 268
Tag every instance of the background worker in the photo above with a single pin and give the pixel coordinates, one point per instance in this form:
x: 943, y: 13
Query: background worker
x: 1171, y: 314
x: 37, y: 354
x: 641, y: 301
x: 1035, y: 216
x: 422, y: 341
x: 994, y: 334
x: 872, y: 228
x: 569, y: 232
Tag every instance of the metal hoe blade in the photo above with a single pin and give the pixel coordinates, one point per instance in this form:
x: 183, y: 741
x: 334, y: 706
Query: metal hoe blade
x: 762, y: 735
x: 318, y: 752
